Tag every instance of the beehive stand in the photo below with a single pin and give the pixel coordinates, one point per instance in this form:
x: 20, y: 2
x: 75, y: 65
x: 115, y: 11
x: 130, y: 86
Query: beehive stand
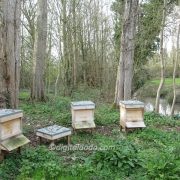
x: 131, y: 115
x: 83, y: 115
x: 11, y: 136
x: 53, y: 133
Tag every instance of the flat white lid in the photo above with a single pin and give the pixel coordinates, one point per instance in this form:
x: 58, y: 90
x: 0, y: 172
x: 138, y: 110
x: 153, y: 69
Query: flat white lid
x: 82, y: 103
x: 131, y: 103
x: 53, y: 130
x: 7, y: 112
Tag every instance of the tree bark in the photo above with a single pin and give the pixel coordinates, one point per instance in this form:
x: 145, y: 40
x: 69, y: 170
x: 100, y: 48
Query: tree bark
x: 74, y: 44
x: 9, y: 52
x: 38, y: 89
x: 125, y: 69
x: 174, y: 72
x: 161, y: 59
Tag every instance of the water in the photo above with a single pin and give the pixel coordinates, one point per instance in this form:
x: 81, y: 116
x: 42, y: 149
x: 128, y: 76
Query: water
x: 164, y: 106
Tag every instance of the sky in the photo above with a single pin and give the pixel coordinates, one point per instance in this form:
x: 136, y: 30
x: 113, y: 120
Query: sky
x: 173, y: 20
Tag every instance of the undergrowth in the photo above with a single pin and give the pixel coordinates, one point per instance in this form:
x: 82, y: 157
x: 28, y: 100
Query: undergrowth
x: 152, y: 153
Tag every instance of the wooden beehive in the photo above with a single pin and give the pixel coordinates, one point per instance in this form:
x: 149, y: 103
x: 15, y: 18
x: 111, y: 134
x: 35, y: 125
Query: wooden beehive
x: 132, y: 114
x: 11, y: 136
x: 83, y: 115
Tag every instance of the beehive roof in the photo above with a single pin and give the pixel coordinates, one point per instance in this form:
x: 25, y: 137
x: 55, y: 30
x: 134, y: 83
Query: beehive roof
x: 83, y: 105
x: 132, y: 103
x: 7, y: 112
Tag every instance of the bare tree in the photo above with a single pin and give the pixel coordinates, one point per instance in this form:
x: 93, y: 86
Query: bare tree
x: 83, y: 31
x: 174, y: 71
x: 38, y: 89
x: 10, y: 11
x: 161, y: 58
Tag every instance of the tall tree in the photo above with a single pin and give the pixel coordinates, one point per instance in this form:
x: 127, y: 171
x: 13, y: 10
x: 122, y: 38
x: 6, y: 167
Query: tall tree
x: 174, y: 71
x: 10, y: 12
x: 161, y: 58
x: 38, y: 89
x: 125, y: 69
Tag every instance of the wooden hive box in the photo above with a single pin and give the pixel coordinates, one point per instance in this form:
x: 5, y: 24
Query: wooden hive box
x: 83, y: 115
x: 11, y: 136
x: 132, y: 114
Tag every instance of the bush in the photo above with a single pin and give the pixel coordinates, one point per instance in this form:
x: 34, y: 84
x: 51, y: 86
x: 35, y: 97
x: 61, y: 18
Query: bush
x: 39, y: 162
x: 162, y: 165
x: 122, y: 158
x: 9, y: 168
x: 154, y: 119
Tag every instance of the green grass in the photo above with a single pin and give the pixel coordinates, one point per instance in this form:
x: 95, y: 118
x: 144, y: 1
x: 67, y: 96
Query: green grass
x: 150, y: 89
x: 152, y: 153
x: 168, y: 81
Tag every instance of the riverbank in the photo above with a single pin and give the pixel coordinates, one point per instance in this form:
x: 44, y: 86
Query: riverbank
x: 149, y: 90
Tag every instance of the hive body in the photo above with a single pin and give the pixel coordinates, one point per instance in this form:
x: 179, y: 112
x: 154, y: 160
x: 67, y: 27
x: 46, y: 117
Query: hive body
x: 132, y: 114
x: 11, y: 136
x: 83, y: 114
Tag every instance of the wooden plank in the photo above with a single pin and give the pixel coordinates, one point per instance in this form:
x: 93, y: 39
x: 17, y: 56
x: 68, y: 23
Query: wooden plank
x: 139, y: 124
x: 84, y: 125
x: 14, y: 142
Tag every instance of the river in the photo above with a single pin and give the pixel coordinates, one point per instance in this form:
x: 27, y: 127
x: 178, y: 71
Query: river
x: 164, y: 106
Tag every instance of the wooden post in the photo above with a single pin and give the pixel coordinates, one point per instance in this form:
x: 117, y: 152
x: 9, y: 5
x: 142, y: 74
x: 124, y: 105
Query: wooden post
x: 19, y: 150
x: 69, y: 140
x: 1, y: 155
x: 52, y: 143
x: 40, y: 140
x: 120, y: 128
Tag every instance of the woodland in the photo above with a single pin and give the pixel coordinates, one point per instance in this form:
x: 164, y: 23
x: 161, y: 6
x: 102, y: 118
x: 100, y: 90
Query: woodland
x: 54, y: 52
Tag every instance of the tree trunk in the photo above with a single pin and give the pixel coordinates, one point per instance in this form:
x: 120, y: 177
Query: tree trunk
x: 74, y: 45
x: 38, y: 89
x: 174, y: 72
x: 162, y: 59
x: 66, y: 63
x: 125, y: 69
x: 9, y: 52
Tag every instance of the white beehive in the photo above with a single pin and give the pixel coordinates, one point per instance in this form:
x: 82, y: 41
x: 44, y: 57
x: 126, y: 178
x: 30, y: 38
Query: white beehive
x: 83, y: 114
x: 132, y: 114
x: 11, y: 136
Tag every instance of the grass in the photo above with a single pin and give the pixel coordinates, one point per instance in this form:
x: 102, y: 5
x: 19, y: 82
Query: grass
x: 168, y: 81
x: 150, y: 89
x: 152, y: 153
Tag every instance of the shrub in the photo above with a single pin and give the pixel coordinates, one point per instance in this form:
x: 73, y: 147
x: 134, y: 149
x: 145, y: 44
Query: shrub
x: 154, y: 119
x: 39, y: 161
x: 123, y: 157
x: 9, y: 168
x: 163, y: 165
